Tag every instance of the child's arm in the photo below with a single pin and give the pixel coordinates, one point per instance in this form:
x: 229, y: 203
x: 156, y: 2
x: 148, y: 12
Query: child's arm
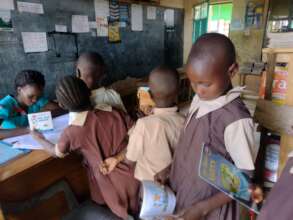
x: 110, y: 163
x: 47, y: 145
x: 163, y: 176
x: 201, y: 209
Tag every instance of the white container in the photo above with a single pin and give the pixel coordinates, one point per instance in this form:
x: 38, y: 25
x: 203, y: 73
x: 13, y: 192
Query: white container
x: 157, y: 201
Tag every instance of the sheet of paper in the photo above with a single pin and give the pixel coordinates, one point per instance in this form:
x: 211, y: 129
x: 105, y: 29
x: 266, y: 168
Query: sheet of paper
x: 60, y: 28
x: 136, y: 17
x: 27, y: 142
x: 169, y: 17
x: 80, y: 24
x: 29, y: 7
x: 6, y: 24
x: 102, y: 8
x: 151, y: 13
x: 93, y: 24
x: 34, y: 42
x: 102, y: 26
x: 7, y: 4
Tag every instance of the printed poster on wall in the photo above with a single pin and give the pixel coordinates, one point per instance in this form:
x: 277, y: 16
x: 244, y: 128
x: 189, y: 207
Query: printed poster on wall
x: 5, y: 20
x: 114, y: 32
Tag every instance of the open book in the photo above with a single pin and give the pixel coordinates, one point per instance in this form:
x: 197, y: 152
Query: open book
x: 157, y: 201
x: 226, y: 177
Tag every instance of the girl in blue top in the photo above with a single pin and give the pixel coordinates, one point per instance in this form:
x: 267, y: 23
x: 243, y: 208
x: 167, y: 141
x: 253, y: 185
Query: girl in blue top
x: 29, y: 86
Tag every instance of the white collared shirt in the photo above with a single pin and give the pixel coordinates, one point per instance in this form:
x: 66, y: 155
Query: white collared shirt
x: 239, y: 136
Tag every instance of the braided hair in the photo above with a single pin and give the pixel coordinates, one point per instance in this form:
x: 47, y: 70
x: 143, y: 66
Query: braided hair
x: 73, y: 94
x: 29, y: 77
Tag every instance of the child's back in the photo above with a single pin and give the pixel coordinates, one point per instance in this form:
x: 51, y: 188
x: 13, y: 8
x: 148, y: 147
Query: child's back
x: 153, y: 141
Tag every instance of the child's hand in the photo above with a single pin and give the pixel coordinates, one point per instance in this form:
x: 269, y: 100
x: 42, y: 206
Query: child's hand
x: 193, y: 213
x: 108, y: 165
x: 163, y: 176
x: 37, y: 135
x: 256, y: 194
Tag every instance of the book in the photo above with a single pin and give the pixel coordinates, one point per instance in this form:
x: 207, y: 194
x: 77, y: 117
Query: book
x: 8, y: 153
x: 41, y: 121
x: 27, y: 141
x: 157, y: 201
x: 146, y: 104
x: 226, y: 177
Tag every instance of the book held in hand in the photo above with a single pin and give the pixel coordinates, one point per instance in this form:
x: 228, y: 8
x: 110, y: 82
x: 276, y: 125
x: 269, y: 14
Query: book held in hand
x: 41, y: 121
x: 226, y: 177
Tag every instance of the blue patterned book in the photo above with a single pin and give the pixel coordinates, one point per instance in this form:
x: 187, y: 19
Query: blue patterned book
x: 226, y: 177
x: 8, y: 153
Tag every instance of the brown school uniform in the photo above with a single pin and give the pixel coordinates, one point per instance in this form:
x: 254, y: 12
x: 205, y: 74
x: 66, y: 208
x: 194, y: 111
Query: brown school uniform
x: 279, y: 204
x: 97, y: 135
x: 225, y: 125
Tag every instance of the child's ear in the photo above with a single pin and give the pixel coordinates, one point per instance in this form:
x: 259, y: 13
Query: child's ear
x: 18, y: 90
x: 233, y: 69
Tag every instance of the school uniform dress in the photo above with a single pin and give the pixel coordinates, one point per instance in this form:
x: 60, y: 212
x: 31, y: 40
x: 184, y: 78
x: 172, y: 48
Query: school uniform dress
x: 225, y: 125
x: 13, y: 116
x: 97, y: 135
x: 278, y: 205
x: 152, y: 141
x: 102, y: 98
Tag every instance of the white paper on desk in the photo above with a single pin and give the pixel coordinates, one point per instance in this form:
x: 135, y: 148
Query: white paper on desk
x: 80, y: 24
x: 169, y: 17
x: 7, y: 4
x: 60, y: 28
x: 34, y: 42
x: 35, y: 8
x: 136, y: 17
x: 151, y: 13
x: 102, y: 8
x: 27, y: 142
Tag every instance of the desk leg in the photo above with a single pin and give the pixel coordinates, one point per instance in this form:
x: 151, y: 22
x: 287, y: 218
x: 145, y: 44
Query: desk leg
x: 1, y: 214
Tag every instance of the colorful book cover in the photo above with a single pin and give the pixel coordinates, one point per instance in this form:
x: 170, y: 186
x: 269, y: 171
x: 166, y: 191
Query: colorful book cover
x: 41, y: 121
x: 157, y: 201
x: 226, y: 177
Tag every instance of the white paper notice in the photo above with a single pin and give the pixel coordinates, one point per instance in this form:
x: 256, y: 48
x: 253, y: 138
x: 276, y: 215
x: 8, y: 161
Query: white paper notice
x: 169, y: 17
x: 34, y: 42
x: 35, y: 8
x: 60, y: 28
x: 102, y: 26
x: 80, y: 24
x: 102, y: 8
x: 7, y: 4
x: 93, y: 24
x: 136, y: 17
x: 151, y: 13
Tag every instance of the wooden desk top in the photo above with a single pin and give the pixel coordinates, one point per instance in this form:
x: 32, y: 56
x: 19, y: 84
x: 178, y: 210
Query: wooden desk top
x: 23, y: 163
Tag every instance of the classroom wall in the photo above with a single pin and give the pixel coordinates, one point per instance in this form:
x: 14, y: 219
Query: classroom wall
x: 248, y: 46
x: 135, y: 56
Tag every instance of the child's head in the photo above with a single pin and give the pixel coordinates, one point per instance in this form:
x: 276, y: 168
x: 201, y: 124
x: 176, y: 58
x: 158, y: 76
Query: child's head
x: 73, y: 94
x: 211, y: 65
x: 90, y: 68
x: 29, y: 86
x: 164, y: 85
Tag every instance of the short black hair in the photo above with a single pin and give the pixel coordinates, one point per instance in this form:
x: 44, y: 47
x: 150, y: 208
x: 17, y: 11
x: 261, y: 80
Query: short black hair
x: 29, y: 77
x: 208, y: 43
x: 73, y: 94
x: 92, y: 58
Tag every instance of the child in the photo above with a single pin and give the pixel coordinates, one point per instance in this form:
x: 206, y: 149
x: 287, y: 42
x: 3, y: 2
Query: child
x: 96, y: 135
x: 278, y: 203
x: 217, y: 118
x: 153, y: 139
x: 29, y: 86
x: 91, y: 69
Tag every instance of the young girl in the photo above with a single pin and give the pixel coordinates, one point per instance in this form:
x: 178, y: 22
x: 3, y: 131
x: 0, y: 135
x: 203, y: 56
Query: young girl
x: 217, y: 118
x: 29, y: 86
x: 96, y: 135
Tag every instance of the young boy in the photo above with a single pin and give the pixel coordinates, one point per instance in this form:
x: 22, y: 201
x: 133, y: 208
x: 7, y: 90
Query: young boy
x: 153, y: 139
x: 91, y: 69
x: 96, y: 134
x: 217, y: 118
